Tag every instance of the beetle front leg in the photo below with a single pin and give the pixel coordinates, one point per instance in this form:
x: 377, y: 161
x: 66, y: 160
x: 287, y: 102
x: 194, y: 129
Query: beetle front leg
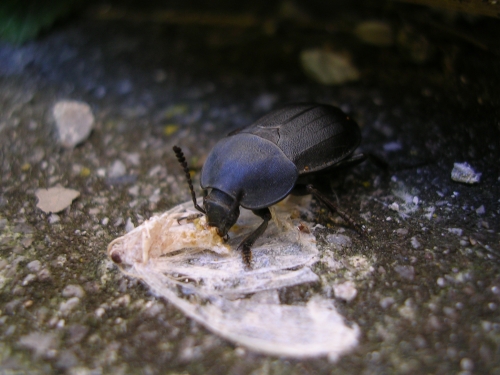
x: 332, y: 206
x: 246, y: 245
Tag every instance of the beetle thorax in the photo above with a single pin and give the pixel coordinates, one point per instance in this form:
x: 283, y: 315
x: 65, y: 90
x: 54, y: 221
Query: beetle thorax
x: 222, y: 211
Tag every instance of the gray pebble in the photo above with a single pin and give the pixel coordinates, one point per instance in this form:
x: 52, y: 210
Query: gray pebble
x: 74, y: 121
x: 456, y: 231
x: 480, y: 210
x: 69, y: 305
x: 415, y: 243
x: 117, y: 169
x: 129, y: 225
x: 402, y: 231
x: 40, y: 343
x: 406, y: 272
x: 73, y: 291
x: 28, y: 279
x: 34, y: 266
x: 463, y: 172
x: 339, y: 241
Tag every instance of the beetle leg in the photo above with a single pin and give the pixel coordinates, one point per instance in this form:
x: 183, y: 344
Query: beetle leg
x: 246, y: 245
x: 332, y: 206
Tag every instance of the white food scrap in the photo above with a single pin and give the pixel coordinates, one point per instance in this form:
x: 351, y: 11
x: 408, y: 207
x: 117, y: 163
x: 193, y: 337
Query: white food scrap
x: 184, y: 258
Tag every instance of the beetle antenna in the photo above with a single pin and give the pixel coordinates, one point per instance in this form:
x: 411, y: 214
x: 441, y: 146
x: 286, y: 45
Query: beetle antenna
x: 182, y: 160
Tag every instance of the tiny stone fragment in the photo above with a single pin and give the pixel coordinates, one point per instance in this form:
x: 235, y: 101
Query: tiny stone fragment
x: 456, y: 231
x: 480, y: 210
x: 129, y: 226
x: 73, y: 291
x: 327, y: 67
x: 463, y: 172
x: 406, y: 272
x: 40, y: 343
x: 415, y: 243
x: 339, y: 241
x: 74, y: 121
x: 346, y: 291
x: 117, y: 169
x: 377, y: 33
x: 69, y: 305
x: 402, y: 231
x: 55, y: 199
x: 34, y: 266
x: 394, y: 206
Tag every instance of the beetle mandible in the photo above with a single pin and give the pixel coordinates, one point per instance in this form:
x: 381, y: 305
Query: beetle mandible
x: 282, y: 153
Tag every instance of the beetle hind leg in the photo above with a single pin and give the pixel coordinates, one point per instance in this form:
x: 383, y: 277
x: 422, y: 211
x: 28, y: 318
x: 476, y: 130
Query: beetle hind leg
x: 246, y: 245
x: 334, y: 208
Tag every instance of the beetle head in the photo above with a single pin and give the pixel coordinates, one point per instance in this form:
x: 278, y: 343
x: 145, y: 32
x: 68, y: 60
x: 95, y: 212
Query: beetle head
x: 222, y: 211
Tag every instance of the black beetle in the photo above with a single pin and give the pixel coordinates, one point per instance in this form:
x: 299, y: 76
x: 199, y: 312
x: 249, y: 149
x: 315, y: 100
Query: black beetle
x: 282, y: 153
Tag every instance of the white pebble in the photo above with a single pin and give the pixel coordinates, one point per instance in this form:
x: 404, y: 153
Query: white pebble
x: 117, y: 169
x: 74, y: 121
x: 346, y: 291
x: 463, y: 172
x: 129, y: 226
x: 394, y: 206
x: 480, y: 210
x: 415, y: 243
x: 466, y: 364
x: 73, y: 291
x: 456, y: 231
x: 34, y: 266
x: 55, y: 199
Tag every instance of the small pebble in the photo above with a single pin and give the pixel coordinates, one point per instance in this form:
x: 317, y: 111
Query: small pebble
x: 34, y: 266
x: 117, y: 169
x: 53, y: 219
x: 67, y: 306
x: 99, y: 312
x: 129, y: 226
x: 402, y: 231
x: 55, y: 199
x: 393, y: 146
x: 40, y: 343
x: 387, y: 302
x: 73, y: 291
x: 346, y: 291
x: 456, y: 231
x: 466, y: 364
x: 28, y: 279
x: 415, y: 243
x: 339, y: 241
x: 406, y: 272
x: 74, y: 121
x: 463, y: 172
x: 394, y: 206
x: 480, y: 210
x: 377, y: 33
x: 327, y: 67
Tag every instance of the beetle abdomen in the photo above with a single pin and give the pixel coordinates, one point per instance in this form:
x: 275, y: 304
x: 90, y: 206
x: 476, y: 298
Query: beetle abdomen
x: 312, y: 136
x: 250, y: 164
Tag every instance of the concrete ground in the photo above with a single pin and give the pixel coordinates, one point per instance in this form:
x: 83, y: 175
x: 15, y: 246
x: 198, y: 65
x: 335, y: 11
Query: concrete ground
x: 426, y: 94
